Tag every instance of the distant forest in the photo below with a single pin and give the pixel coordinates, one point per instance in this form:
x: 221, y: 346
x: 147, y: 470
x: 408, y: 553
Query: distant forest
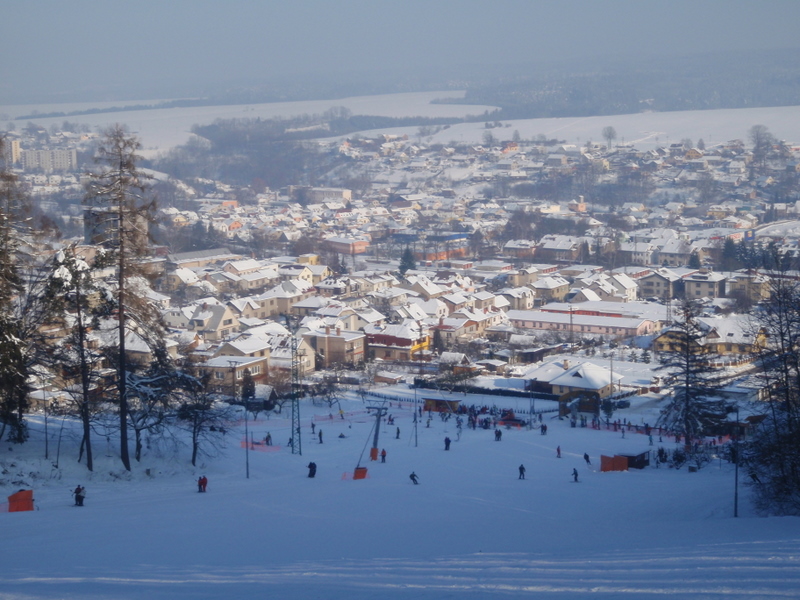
x: 733, y: 80
x: 241, y: 151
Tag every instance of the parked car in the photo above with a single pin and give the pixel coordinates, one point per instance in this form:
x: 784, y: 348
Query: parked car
x: 623, y: 403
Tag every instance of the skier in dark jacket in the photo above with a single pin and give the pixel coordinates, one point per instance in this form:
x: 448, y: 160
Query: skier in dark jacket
x: 522, y: 472
x: 413, y: 477
x: 447, y: 443
x: 312, y: 469
x: 575, y: 475
x: 586, y: 458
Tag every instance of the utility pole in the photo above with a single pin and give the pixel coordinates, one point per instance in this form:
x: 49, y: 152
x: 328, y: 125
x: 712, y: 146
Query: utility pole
x: 232, y: 364
x: 736, y: 467
x: 416, y: 417
x: 571, y: 335
x: 612, y: 373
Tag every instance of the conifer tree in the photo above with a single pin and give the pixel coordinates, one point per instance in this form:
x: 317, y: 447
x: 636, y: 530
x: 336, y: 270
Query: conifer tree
x: 13, y: 367
x: 694, y: 408
x: 407, y: 262
x: 121, y: 212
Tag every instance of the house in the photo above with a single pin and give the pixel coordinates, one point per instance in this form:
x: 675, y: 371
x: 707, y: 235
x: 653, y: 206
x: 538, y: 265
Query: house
x: 662, y: 283
x: 404, y: 341
x: 558, y: 248
x: 519, y: 298
x: 704, y: 284
x: 636, y: 253
x: 550, y: 289
x: 227, y: 372
x: 575, y: 323
x: 213, y: 322
x: 731, y: 336
x: 562, y: 378
x: 336, y: 347
x: 749, y: 285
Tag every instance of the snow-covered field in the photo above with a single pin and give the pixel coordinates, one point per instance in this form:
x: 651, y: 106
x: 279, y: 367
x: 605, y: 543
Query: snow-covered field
x: 162, y: 129
x: 470, y: 529
x: 643, y: 130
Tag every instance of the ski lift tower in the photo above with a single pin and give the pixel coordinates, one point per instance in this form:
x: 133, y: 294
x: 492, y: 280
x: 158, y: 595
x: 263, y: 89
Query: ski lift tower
x: 380, y: 411
x: 297, y: 376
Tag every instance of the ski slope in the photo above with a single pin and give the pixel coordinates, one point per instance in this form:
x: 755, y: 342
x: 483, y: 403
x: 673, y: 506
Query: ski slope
x: 470, y: 529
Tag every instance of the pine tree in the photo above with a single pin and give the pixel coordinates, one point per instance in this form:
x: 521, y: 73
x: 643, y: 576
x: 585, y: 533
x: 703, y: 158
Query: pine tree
x: 13, y: 366
x: 693, y: 409
x: 121, y: 210
x: 248, y: 386
x: 407, y: 262
x: 772, y: 455
x: 71, y: 288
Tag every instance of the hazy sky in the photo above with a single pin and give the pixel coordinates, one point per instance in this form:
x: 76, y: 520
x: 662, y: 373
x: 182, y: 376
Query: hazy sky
x: 105, y: 49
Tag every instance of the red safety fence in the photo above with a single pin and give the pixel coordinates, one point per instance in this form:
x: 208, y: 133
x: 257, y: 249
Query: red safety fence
x: 259, y: 446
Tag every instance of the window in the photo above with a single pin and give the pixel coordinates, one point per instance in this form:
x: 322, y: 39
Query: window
x: 219, y: 375
x: 227, y: 322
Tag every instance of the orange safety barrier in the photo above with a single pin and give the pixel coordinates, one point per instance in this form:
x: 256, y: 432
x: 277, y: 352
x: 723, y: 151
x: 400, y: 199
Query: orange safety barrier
x: 360, y: 473
x: 21, y: 501
x: 613, y: 463
x: 258, y: 446
x: 373, y: 454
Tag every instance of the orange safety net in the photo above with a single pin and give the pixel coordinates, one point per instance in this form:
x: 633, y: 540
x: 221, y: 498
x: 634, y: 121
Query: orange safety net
x: 21, y: 501
x: 258, y: 446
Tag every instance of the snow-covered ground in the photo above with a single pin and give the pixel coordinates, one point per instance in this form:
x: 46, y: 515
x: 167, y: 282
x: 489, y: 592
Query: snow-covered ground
x: 644, y: 130
x: 470, y: 529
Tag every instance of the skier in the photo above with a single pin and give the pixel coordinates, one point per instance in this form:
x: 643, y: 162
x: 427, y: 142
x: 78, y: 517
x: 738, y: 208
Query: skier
x: 320, y: 436
x: 203, y: 483
x: 199, y: 484
x: 650, y: 437
x: 268, y: 439
x: 77, y: 494
x: 558, y: 452
x: 522, y: 471
x: 397, y: 437
x: 80, y: 494
x: 383, y: 455
x: 586, y: 458
x: 447, y: 443
x: 413, y: 477
x: 313, y: 425
x: 575, y: 475
x: 312, y: 469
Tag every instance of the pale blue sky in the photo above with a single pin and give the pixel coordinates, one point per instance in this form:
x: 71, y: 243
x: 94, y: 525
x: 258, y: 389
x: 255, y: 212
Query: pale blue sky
x: 106, y: 48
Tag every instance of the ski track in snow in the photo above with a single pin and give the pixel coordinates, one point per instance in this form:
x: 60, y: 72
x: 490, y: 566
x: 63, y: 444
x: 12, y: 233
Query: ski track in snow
x: 743, y: 571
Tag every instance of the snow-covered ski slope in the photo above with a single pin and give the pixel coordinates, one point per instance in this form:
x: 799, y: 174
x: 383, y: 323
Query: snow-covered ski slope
x: 470, y: 529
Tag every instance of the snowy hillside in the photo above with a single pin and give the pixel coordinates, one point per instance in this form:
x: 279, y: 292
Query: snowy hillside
x: 471, y: 528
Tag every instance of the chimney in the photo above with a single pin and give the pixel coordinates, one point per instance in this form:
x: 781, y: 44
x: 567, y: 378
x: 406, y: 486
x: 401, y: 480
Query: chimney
x: 338, y: 331
x: 566, y: 364
x: 327, y: 330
